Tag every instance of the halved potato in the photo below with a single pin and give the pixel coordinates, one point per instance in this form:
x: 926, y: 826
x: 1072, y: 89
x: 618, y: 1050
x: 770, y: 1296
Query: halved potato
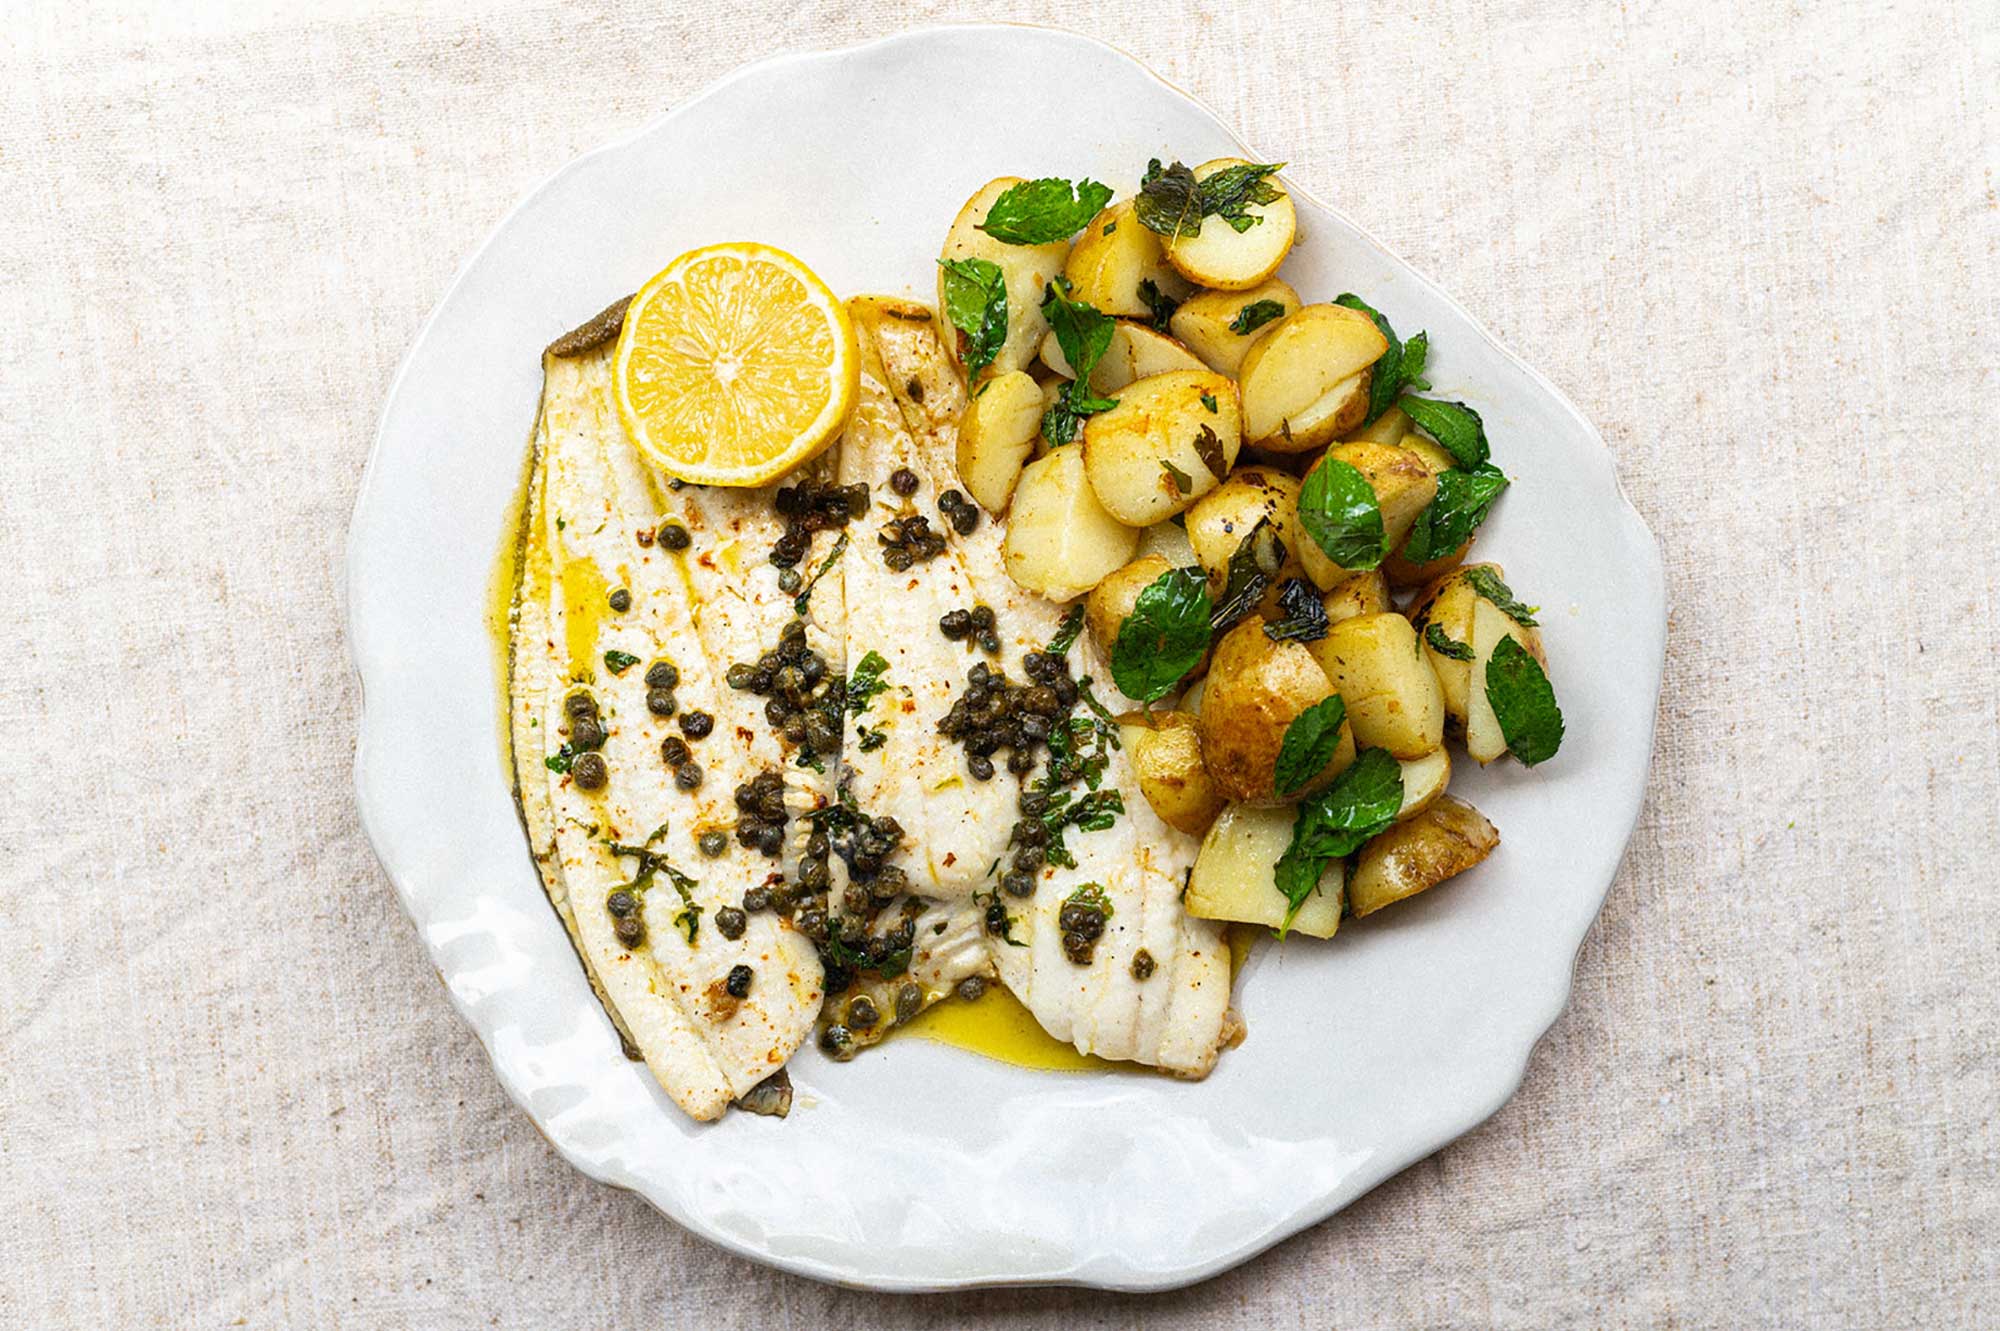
x: 1376, y: 665
x: 1235, y: 874
x: 1424, y: 779
x: 1166, y: 757
x: 1113, y: 258
x: 1255, y: 689
x: 1446, y: 839
x: 1191, y: 700
x: 1182, y: 428
x: 1220, y: 256
x: 1169, y: 540
x: 1388, y: 428
x: 1220, y: 519
x: 1204, y: 320
x: 1305, y: 381
x: 1402, y: 573
x: 1435, y: 455
x: 1028, y: 269
x: 1403, y: 486
x: 1060, y: 542
x: 1447, y: 603
x: 1484, y: 740
x: 1110, y: 602
x: 1135, y: 352
x: 1363, y: 594
x: 996, y: 435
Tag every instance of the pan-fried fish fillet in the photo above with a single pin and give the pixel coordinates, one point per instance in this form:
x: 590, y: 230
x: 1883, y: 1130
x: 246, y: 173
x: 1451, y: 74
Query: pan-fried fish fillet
x: 591, y: 500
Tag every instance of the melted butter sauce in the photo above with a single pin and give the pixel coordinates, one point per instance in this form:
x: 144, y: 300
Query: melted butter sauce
x: 999, y: 1027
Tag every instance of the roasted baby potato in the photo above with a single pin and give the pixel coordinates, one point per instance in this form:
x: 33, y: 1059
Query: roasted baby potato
x: 1060, y: 542
x: 1376, y: 665
x: 1402, y: 573
x: 1363, y: 594
x: 1166, y: 756
x: 1235, y: 877
x: 1222, y: 257
x: 1170, y: 440
x: 1028, y: 269
x: 1448, y: 604
x: 1424, y: 779
x: 1135, y: 352
x: 1448, y: 838
x: 1305, y: 380
x: 1204, y: 322
x: 1388, y: 428
x: 1112, y: 261
x: 996, y: 435
x: 1110, y: 602
x: 1220, y: 519
x: 1403, y: 486
x: 1484, y: 740
x: 1255, y: 689
x: 1169, y: 540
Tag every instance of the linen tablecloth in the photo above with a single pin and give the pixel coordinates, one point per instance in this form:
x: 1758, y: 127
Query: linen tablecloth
x: 1759, y: 244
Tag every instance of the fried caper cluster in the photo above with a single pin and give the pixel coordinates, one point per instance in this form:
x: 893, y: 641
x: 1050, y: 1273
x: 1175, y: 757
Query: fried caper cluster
x: 995, y: 713
x: 803, y: 699
x: 1082, y: 923
x: 586, y: 736
x: 908, y: 541
x: 760, y: 812
x: 808, y: 507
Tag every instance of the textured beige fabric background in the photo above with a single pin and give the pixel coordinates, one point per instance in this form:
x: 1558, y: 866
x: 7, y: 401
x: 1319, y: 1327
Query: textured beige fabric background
x: 1758, y: 242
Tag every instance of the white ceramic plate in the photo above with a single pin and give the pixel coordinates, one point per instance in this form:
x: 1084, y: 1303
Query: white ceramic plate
x: 920, y: 1166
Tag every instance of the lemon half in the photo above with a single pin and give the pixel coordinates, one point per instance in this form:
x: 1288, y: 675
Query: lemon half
x: 736, y: 364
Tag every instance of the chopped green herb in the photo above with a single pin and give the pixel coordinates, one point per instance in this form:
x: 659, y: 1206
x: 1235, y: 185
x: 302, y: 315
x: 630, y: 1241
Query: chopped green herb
x: 1259, y: 556
x: 651, y: 865
x: 1452, y: 424
x: 1164, y: 636
x: 1208, y: 447
x: 1172, y: 203
x: 1037, y: 212
x: 1445, y: 645
x: 1208, y: 400
x: 1338, y: 509
x: 1463, y: 500
x: 560, y: 760
x: 871, y: 740
x: 1362, y: 801
x: 866, y: 682
x: 1095, y: 811
x: 1183, y: 483
x: 1159, y: 302
x: 1302, y: 616
x: 1400, y: 367
x: 1487, y: 583
x: 1310, y: 742
x: 1255, y: 315
x: 1067, y: 631
x: 1091, y: 895
x: 1523, y: 702
x: 1110, y: 228
x: 1084, y: 334
x: 618, y: 662
x: 804, y: 598
x: 975, y: 301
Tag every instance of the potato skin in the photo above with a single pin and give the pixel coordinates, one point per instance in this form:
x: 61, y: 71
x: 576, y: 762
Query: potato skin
x: 1376, y: 665
x: 1448, y: 603
x: 1305, y: 380
x: 1388, y: 428
x: 996, y: 435
x: 1221, y: 257
x: 1160, y: 421
x: 1060, y: 542
x: 1403, y: 486
x: 1401, y: 572
x: 1027, y: 268
x: 1255, y: 688
x: 1424, y: 780
x: 1446, y: 839
x: 1202, y: 322
x: 1110, y: 602
x: 1110, y: 260
x: 1220, y: 519
x: 1172, y: 777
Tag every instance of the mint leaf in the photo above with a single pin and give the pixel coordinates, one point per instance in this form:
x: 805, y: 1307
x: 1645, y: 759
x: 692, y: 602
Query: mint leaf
x: 1338, y: 509
x: 1303, y: 613
x: 1169, y: 201
x: 1310, y: 742
x: 1159, y: 302
x: 1487, y: 583
x: 975, y: 301
x: 1523, y: 702
x: 1084, y: 334
x: 1036, y: 212
x: 1400, y: 367
x: 1463, y: 500
x: 1445, y: 645
x: 1228, y: 192
x: 1255, y: 315
x: 1361, y: 802
x: 1164, y: 636
x: 618, y: 662
x: 1452, y: 424
x: 1259, y: 556
x: 1066, y: 632
x: 866, y: 682
x: 1183, y: 483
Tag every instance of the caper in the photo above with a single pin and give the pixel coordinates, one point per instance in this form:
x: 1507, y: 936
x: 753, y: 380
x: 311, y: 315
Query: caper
x: 630, y: 929
x: 903, y: 481
x: 965, y: 520
x: 580, y: 704
x: 813, y: 875
x: 770, y: 839
x: 1029, y: 858
x: 738, y: 983
x: 821, y: 733
x: 950, y: 500
x: 621, y: 600
x: 909, y: 1002
x: 589, y: 771
x: 861, y: 1013
x: 980, y: 766
x: 757, y: 898
x: 697, y: 725
x: 789, y: 581
x: 955, y: 624
x: 1078, y: 948
x: 729, y: 922
x: 1142, y: 965
x: 982, y: 617
x: 662, y: 675
x: 712, y: 844
x: 837, y: 1043
x: 816, y: 846
x: 1018, y: 884
x: 740, y: 675
x: 621, y: 903
x: 661, y: 702
x: 898, y: 561
x: 586, y: 732
x: 972, y: 988
x: 688, y: 776
x: 989, y: 643
x: 674, y: 536
x: 673, y: 751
